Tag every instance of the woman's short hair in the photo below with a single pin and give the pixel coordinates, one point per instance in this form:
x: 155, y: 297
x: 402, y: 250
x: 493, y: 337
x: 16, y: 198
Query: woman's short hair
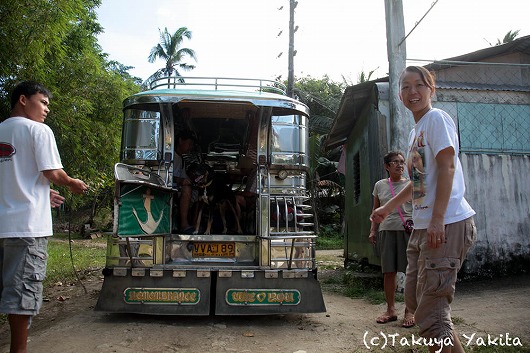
x: 390, y: 155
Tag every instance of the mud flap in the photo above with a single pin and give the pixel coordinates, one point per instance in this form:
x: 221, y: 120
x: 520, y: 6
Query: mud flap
x: 268, y: 292
x: 158, y: 292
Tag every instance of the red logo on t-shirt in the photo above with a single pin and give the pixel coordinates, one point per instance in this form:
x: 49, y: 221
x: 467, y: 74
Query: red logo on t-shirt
x: 6, y: 150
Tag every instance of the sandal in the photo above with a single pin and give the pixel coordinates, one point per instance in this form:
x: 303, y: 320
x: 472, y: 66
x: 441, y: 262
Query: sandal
x: 384, y: 319
x: 408, y: 321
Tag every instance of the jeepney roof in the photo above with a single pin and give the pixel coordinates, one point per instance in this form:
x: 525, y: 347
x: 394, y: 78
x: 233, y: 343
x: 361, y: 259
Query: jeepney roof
x: 178, y: 89
x: 161, y: 96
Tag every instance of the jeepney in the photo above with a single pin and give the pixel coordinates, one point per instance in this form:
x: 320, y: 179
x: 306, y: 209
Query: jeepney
x: 246, y: 130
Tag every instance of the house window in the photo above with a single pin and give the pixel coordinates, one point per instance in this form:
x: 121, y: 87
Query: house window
x: 500, y: 128
x: 356, y: 178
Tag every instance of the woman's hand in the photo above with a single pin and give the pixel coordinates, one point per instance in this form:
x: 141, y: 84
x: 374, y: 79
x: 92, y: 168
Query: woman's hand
x: 372, y: 238
x: 436, y: 234
x: 379, y: 214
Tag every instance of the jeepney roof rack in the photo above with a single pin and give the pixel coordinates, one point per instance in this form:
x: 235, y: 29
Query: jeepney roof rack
x: 217, y: 83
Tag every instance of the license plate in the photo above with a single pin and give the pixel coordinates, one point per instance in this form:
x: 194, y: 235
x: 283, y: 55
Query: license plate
x: 226, y: 249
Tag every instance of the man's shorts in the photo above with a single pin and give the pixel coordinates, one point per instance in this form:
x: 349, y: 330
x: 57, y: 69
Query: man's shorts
x: 22, y: 270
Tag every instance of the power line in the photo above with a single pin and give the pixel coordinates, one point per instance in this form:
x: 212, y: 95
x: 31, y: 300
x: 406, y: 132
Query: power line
x: 417, y: 23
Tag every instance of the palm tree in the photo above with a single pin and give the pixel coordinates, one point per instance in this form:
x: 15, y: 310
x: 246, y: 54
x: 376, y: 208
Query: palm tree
x: 169, y: 49
x: 509, y: 37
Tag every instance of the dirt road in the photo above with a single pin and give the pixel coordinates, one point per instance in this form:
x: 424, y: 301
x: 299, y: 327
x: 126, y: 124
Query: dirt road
x: 68, y: 323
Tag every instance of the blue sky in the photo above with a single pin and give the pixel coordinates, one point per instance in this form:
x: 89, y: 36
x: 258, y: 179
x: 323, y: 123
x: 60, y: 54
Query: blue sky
x: 239, y: 38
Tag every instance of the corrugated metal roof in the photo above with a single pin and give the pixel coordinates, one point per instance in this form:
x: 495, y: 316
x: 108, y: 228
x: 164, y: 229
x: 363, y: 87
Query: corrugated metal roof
x: 480, y: 86
x: 351, y: 105
x: 519, y: 45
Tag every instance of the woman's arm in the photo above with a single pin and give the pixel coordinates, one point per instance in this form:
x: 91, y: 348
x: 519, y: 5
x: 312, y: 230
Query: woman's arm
x: 445, y: 161
x: 373, y: 228
x: 380, y: 213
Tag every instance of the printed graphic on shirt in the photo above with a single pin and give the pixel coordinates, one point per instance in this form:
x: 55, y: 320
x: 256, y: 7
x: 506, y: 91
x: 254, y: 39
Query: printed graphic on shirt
x: 7, y: 150
x: 418, y: 170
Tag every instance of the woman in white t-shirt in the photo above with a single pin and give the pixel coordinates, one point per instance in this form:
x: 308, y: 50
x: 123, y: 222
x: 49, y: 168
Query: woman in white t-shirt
x: 444, y: 228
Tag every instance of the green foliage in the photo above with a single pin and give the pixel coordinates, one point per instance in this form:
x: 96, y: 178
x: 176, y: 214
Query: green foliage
x: 327, y: 185
x: 103, y: 219
x: 322, y: 96
x: 54, y: 42
x: 170, y: 50
x: 329, y: 237
x: 509, y: 37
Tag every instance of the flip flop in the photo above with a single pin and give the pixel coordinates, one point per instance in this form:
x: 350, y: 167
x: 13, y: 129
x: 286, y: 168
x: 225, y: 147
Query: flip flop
x: 408, y: 323
x: 384, y: 319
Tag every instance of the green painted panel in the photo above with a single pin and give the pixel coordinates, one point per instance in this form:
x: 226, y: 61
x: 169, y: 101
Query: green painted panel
x: 183, y: 296
x: 143, y: 211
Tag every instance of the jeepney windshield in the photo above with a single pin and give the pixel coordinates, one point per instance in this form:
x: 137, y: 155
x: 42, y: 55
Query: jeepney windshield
x: 288, y: 140
x: 141, y: 135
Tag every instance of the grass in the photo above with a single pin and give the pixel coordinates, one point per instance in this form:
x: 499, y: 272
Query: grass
x: 329, y: 243
x: 88, y: 256
x: 367, y: 285
x: 329, y: 237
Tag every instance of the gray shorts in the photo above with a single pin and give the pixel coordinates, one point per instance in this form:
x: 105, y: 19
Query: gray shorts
x: 393, y: 250
x: 22, y: 270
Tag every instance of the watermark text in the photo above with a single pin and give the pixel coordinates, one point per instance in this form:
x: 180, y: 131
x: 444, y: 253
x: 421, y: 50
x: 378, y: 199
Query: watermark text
x: 383, y: 340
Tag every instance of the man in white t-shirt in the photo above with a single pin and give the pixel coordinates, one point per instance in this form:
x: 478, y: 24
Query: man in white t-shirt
x: 29, y: 161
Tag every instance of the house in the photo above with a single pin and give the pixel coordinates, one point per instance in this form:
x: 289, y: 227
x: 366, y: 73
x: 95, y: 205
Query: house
x: 487, y: 93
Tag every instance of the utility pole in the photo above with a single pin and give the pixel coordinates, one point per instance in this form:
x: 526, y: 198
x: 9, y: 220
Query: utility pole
x: 400, y: 120
x: 290, y: 73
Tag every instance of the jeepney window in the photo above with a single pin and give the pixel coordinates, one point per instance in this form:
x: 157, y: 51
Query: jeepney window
x: 289, y: 144
x: 141, y: 135
x: 286, y: 119
x: 286, y: 138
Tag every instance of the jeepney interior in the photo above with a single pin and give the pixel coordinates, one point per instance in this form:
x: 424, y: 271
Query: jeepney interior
x: 223, y: 143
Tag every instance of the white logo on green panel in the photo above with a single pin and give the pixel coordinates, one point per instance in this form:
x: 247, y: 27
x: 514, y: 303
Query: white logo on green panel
x: 150, y: 225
